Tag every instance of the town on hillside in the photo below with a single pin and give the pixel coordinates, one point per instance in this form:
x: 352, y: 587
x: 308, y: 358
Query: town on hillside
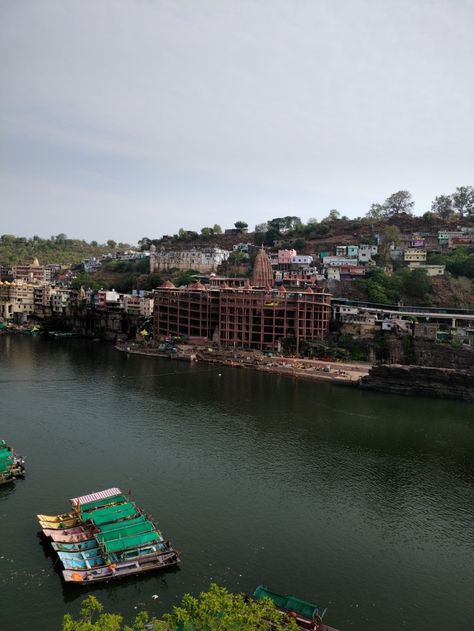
x: 378, y: 289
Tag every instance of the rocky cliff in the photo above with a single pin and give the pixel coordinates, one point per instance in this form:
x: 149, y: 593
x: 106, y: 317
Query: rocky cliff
x: 443, y: 383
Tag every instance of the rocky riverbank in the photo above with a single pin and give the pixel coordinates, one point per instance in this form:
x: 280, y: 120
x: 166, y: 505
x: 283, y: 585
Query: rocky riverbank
x: 441, y: 383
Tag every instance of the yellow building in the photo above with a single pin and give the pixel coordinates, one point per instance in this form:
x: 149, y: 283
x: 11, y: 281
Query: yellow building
x: 16, y: 300
x: 414, y: 255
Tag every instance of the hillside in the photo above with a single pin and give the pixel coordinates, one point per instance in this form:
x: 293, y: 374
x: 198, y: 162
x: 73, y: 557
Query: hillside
x: 60, y: 250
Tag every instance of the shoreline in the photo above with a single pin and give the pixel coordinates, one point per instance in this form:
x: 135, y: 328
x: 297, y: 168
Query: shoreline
x: 339, y: 373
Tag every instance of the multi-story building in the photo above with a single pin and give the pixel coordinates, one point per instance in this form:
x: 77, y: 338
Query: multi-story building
x: 301, y: 260
x: 32, y: 272
x: 366, y: 252
x: 203, y: 261
x: 285, y: 256
x: 138, y: 304
x: 60, y: 299
x: 16, y: 301
x: 246, y: 318
x: 414, y: 255
x: 91, y: 265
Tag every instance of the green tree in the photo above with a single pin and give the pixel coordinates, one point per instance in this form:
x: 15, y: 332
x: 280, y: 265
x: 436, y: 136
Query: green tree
x: 216, y: 229
x: 207, y: 232
x: 241, y: 225
x: 219, y: 610
x: 112, y: 244
x: 443, y: 206
x: 463, y: 200
x: 389, y: 235
x: 399, y: 202
x: 418, y: 285
x: 376, y: 212
x: 214, y: 610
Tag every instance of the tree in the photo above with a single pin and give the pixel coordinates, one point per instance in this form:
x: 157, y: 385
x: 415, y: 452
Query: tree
x: 241, y: 225
x: 261, y: 227
x: 376, y: 211
x: 399, y: 202
x: 443, y: 206
x: 418, y: 285
x: 112, y: 244
x: 219, y: 610
x: 334, y: 215
x: 207, y: 232
x: 214, y: 610
x: 216, y: 229
x: 389, y: 235
x: 463, y: 200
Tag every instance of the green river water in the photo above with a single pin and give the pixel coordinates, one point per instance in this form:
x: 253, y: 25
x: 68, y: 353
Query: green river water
x: 358, y: 501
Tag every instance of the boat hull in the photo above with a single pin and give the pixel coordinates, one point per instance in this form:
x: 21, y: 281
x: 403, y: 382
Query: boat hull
x: 72, y: 537
x: 119, y: 570
x: 80, y: 546
x: 56, y: 518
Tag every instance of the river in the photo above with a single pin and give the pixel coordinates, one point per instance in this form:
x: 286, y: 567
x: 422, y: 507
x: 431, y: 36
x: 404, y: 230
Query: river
x: 361, y: 502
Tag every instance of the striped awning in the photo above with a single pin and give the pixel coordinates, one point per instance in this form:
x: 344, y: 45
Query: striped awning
x: 99, y: 495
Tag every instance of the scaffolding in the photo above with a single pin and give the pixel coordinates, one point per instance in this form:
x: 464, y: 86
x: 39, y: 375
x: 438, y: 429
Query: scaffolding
x: 242, y: 318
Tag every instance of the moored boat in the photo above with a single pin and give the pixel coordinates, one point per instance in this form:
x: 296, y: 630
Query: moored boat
x: 124, y: 569
x: 307, y: 615
x: 11, y: 464
x: 67, y: 524
x: 109, y: 537
x: 79, y: 546
x: 56, y: 518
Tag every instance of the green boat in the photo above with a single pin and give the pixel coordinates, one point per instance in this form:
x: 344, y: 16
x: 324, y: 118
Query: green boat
x: 11, y: 464
x: 306, y: 615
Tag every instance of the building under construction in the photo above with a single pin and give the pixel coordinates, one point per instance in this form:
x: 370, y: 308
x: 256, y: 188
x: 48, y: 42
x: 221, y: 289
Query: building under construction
x: 254, y: 316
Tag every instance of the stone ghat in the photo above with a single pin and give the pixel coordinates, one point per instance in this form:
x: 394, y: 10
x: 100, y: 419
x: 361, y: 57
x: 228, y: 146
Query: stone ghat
x: 441, y: 383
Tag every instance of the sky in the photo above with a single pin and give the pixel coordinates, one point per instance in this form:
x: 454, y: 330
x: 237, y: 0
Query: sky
x: 121, y: 119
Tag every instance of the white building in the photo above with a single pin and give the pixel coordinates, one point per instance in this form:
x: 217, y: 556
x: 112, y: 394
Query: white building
x: 366, y: 252
x: 301, y: 259
x: 203, y: 261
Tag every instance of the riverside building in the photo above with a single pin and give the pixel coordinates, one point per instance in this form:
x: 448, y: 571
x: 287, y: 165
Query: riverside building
x: 253, y: 316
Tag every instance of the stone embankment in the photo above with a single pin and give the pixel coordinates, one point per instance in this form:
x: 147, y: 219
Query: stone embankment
x: 441, y: 383
x: 308, y: 369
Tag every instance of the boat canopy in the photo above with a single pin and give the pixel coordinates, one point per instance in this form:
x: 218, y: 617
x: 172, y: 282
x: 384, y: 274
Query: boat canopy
x: 84, y: 499
x: 113, y: 535
x: 122, y: 524
x: 129, y: 543
x: 290, y: 603
x: 113, y: 513
x: 106, y: 501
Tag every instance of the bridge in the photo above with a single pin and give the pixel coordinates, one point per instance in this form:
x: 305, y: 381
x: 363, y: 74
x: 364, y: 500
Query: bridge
x: 430, y: 313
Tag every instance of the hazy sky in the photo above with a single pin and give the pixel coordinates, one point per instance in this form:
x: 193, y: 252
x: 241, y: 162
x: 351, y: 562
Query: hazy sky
x: 128, y: 118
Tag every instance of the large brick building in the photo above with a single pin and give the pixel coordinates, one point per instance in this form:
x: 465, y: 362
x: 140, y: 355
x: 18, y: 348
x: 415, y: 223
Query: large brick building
x: 246, y: 318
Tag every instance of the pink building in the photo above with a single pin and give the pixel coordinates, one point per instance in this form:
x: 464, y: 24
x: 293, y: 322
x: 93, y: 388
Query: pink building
x: 284, y: 256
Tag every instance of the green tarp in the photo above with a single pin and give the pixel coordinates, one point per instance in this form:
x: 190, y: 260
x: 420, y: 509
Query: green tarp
x: 136, y: 542
x: 115, y: 499
x: 289, y: 603
x: 105, y: 537
x: 114, y: 513
x: 107, y: 510
x: 122, y: 524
